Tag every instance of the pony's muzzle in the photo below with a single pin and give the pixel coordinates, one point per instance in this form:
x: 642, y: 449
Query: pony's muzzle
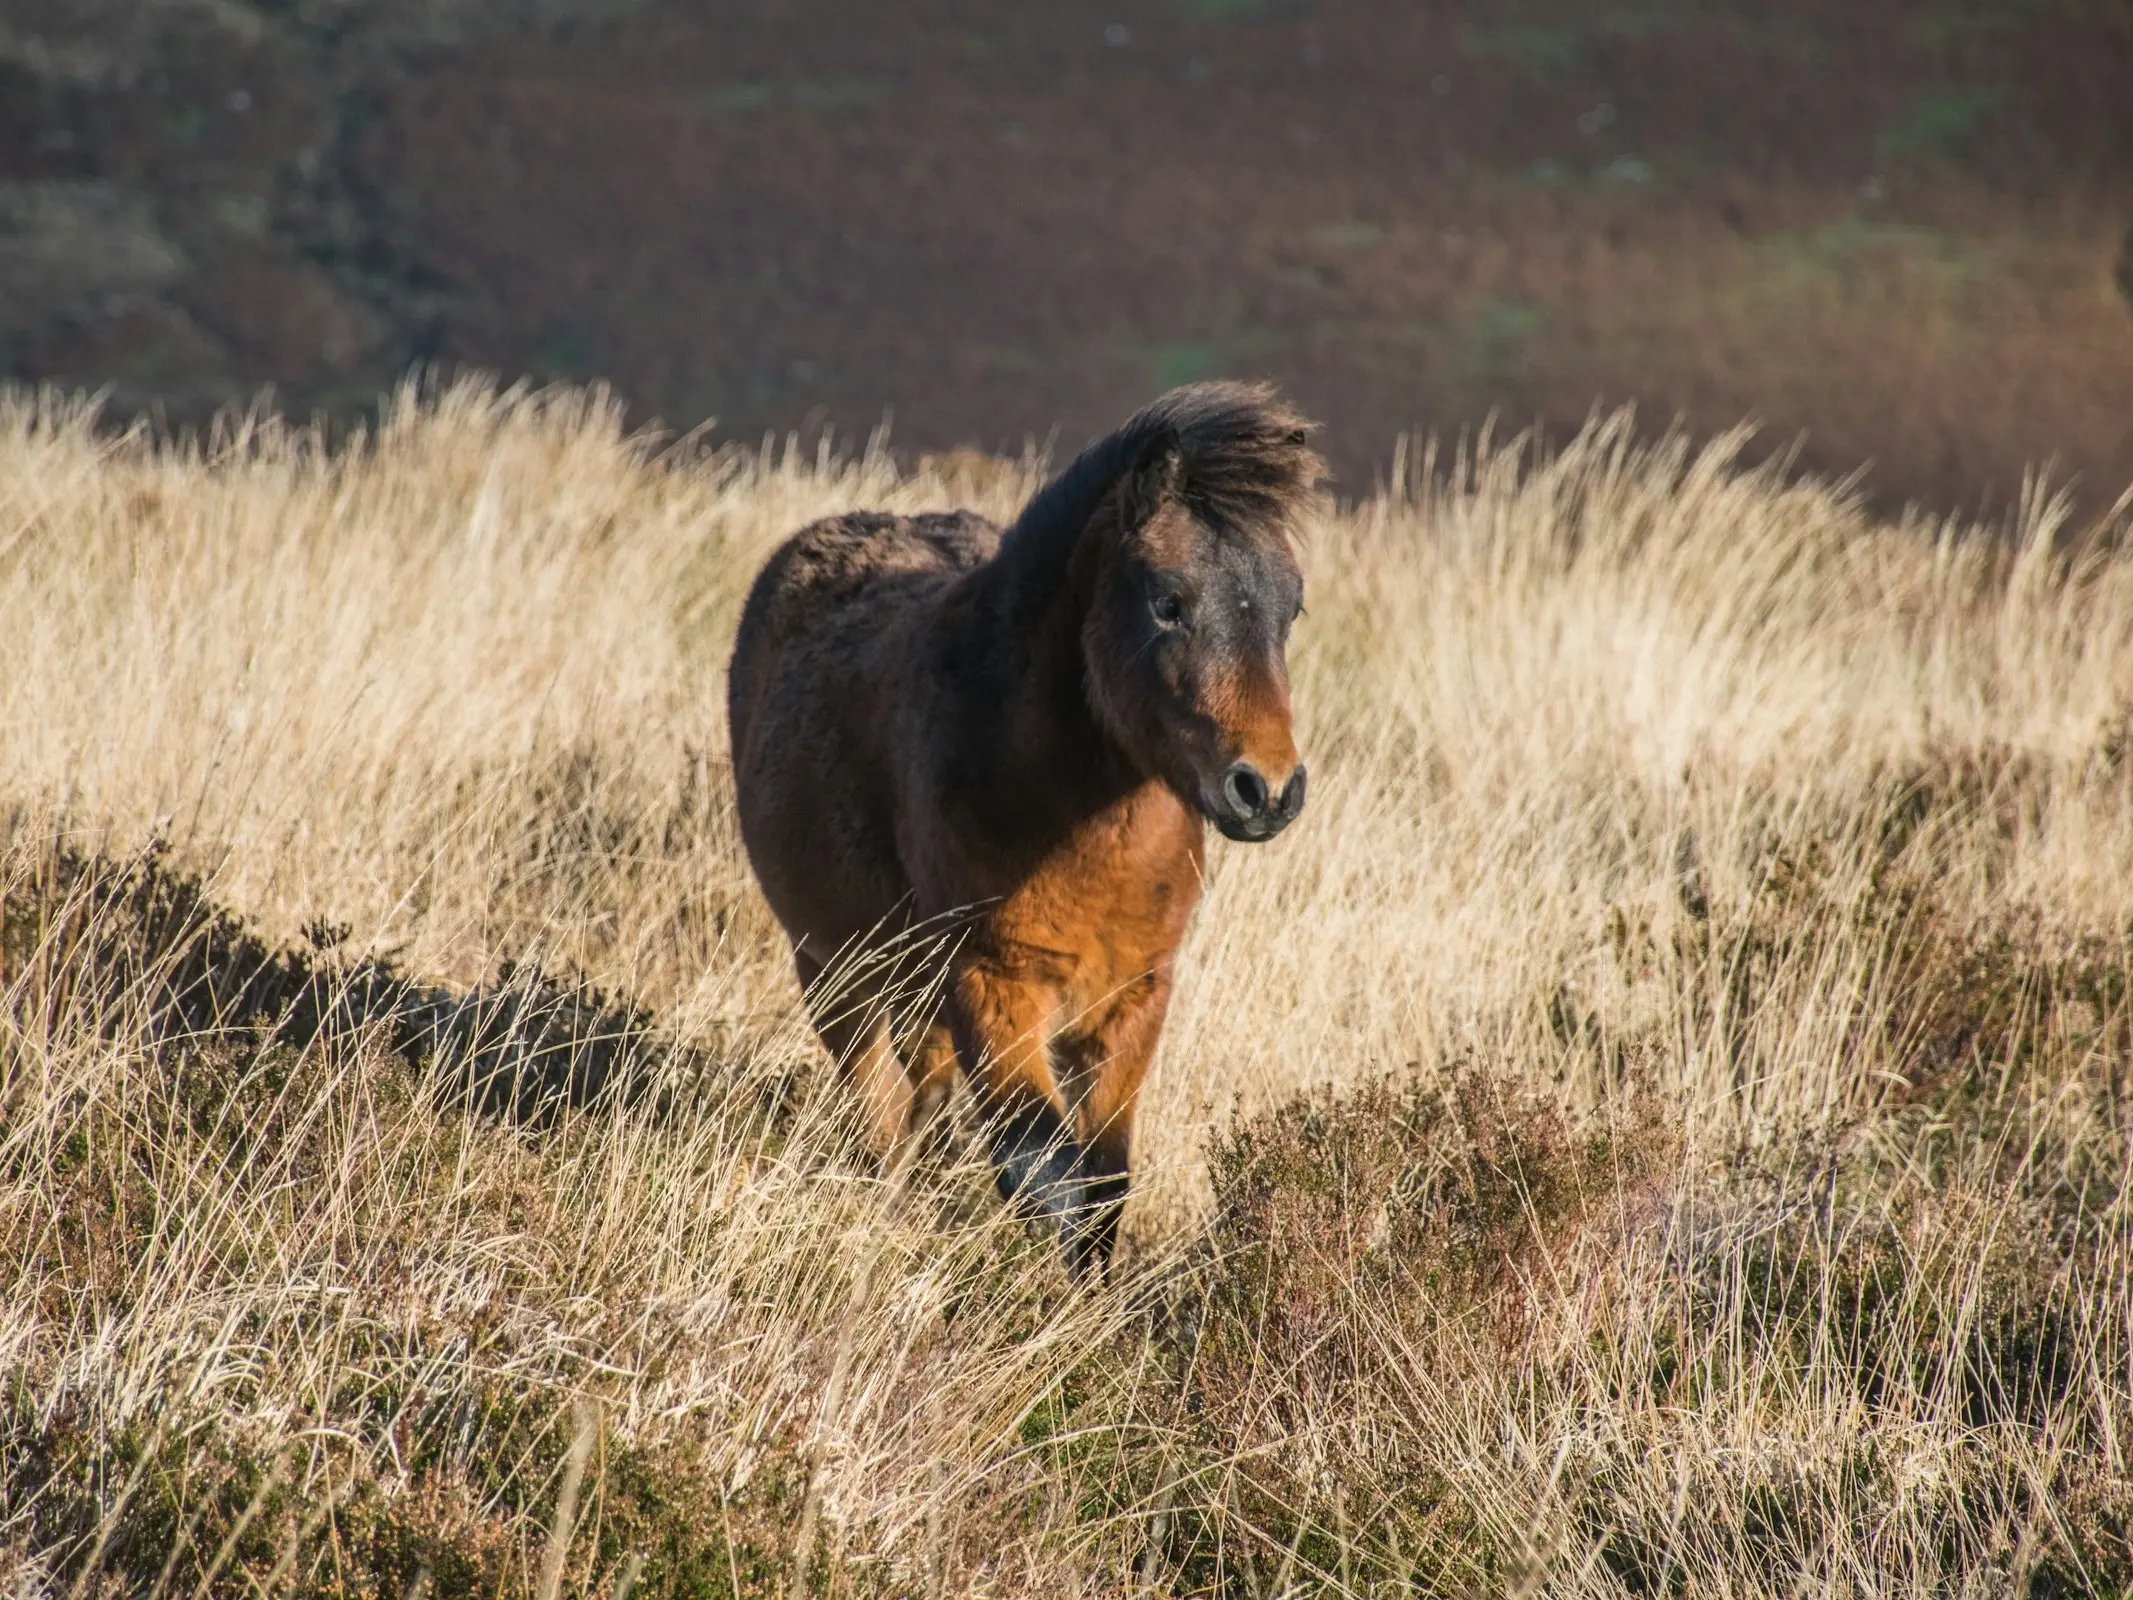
x: 1247, y: 808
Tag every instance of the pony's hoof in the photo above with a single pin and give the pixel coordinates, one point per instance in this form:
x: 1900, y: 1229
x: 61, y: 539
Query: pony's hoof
x: 1085, y: 1263
x: 1088, y: 1240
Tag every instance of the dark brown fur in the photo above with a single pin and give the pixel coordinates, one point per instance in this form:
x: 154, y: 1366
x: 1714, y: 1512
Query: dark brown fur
x: 1012, y: 739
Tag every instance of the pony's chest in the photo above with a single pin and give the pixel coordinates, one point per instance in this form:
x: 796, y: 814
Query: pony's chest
x: 1111, y: 905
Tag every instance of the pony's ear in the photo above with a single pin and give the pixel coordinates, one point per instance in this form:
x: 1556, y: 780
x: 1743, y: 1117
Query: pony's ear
x: 1156, y: 479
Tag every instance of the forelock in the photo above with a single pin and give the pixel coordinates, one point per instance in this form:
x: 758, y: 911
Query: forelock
x: 1249, y: 466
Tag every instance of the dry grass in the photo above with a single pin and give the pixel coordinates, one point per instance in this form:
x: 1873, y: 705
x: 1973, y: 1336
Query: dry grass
x: 1657, y: 1126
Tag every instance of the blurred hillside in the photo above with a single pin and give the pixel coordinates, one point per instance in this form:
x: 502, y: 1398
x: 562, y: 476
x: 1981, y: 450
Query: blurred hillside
x: 1901, y: 227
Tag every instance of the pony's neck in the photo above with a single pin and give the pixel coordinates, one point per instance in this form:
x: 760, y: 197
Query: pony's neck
x: 1049, y: 738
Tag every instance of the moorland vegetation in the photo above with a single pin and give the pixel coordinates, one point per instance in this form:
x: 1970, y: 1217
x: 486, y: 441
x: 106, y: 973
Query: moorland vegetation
x: 1658, y: 1125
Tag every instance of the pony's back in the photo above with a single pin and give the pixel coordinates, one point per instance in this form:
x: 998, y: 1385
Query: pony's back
x: 832, y: 586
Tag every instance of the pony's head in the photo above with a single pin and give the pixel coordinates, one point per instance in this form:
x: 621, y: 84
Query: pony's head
x: 1185, y: 642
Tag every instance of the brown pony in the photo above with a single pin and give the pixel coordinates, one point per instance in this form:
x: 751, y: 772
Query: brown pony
x: 1019, y: 735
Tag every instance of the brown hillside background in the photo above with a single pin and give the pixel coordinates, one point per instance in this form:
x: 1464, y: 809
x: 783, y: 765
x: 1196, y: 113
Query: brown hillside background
x: 1900, y: 228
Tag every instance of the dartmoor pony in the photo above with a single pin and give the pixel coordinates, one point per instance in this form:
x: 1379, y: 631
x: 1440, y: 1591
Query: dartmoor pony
x: 1019, y: 736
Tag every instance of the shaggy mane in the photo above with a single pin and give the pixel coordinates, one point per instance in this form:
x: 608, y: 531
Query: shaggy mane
x: 1248, y: 466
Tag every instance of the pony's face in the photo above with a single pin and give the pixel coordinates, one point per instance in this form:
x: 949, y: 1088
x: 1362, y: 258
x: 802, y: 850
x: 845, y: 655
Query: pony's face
x: 1186, y: 654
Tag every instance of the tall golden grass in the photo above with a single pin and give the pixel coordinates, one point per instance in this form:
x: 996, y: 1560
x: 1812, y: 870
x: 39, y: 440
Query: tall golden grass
x: 1657, y: 1124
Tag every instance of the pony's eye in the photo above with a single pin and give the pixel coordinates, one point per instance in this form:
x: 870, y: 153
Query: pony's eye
x: 1168, y: 608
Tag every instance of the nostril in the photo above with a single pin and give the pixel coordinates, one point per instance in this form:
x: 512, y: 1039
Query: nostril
x: 1292, y: 794
x: 1245, y: 791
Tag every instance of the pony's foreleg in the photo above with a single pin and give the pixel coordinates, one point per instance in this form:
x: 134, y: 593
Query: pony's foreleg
x: 1000, y: 1021
x: 1118, y: 1055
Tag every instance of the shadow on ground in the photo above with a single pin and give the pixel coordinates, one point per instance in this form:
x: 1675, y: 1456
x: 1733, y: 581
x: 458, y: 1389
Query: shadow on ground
x: 136, y: 944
